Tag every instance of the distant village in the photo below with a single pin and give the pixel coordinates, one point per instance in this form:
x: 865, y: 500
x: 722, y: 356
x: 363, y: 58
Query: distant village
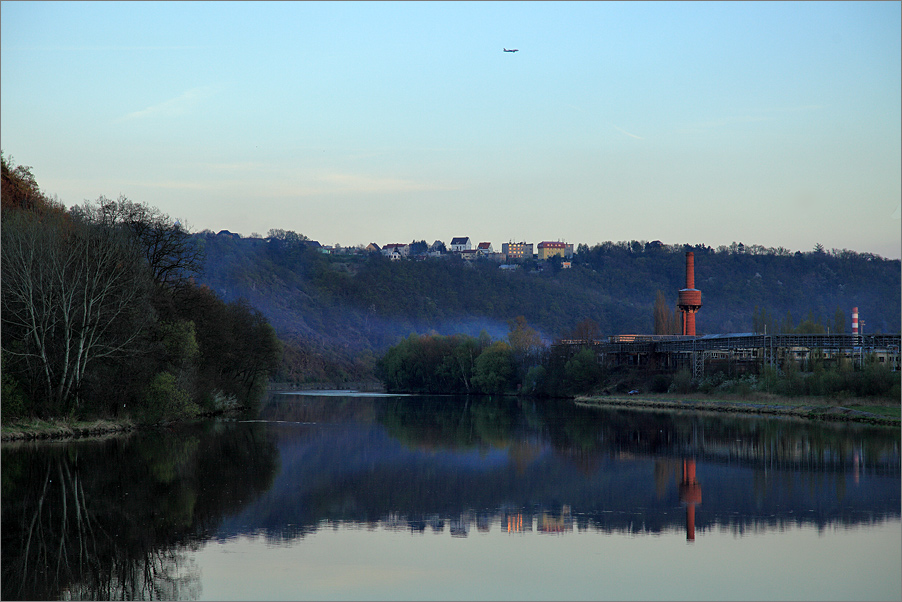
x: 510, y: 255
x: 463, y: 246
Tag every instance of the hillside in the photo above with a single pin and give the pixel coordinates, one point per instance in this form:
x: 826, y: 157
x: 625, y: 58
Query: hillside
x: 335, y: 308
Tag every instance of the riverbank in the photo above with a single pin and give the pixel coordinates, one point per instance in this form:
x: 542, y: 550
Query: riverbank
x: 27, y: 430
x: 61, y: 428
x: 871, y: 411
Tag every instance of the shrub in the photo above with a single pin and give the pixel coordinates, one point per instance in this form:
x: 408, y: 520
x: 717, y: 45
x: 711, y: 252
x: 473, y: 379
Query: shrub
x: 583, y: 372
x: 535, y: 380
x: 217, y: 401
x: 165, y: 400
x: 682, y: 382
x: 15, y: 403
x: 661, y: 383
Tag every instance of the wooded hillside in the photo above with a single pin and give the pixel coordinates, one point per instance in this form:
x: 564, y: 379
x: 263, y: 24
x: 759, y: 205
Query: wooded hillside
x: 101, y: 317
x: 339, y: 312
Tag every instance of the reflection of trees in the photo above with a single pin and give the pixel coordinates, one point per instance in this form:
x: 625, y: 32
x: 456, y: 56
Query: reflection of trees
x: 313, y: 408
x: 112, y: 519
x: 771, y: 442
x: 420, y: 462
x: 159, y: 575
x: 452, y: 422
x: 586, y: 435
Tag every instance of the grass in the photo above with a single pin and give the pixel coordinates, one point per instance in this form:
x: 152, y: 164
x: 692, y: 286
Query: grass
x: 874, y: 411
x: 61, y: 428
x: 893, y: 411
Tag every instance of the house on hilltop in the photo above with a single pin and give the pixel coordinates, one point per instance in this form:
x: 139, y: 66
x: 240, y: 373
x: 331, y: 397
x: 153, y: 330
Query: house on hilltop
x: 484, y: 248
x: 461, y: 243
x: 396, y: 250
x: 548, y: 249
x: 516, y: 251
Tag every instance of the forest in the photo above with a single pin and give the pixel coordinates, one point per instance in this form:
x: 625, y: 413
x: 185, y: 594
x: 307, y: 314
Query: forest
x: 338, y: 314
x: 102, y: 316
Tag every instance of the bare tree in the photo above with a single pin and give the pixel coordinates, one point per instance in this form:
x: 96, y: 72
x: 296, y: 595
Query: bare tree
x: 667, y: 319
x: 587, y: 330
x: 166, y: 244
x: 526, y: 344
x: 73, y: 293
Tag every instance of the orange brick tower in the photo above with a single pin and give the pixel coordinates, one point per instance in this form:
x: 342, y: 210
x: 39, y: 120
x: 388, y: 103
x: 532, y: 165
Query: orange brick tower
x: 690, y: 299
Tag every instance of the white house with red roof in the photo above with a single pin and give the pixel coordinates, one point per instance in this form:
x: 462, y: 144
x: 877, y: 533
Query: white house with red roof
x: 396, y: 250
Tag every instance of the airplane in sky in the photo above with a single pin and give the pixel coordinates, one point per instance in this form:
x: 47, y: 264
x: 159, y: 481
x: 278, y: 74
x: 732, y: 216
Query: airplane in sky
x: 512, y: 50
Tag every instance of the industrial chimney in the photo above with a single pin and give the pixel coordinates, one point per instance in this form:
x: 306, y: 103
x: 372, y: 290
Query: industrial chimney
x: 690, y: 299
x: 855, y: 321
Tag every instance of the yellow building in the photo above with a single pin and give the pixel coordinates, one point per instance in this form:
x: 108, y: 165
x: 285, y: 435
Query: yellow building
x: 548, y: 249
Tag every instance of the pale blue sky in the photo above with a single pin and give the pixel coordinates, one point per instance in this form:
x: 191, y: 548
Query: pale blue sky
x: 774, y: 123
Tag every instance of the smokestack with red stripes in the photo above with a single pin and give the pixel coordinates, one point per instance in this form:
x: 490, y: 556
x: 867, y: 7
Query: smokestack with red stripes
x: 690, y: 299
x: 855, y: 321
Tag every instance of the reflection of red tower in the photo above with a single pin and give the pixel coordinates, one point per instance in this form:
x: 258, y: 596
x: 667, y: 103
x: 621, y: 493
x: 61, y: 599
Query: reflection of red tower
x: 690, y: 494
x: 690, y: 299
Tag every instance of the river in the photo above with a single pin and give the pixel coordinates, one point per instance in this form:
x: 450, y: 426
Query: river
x: 365, y: 496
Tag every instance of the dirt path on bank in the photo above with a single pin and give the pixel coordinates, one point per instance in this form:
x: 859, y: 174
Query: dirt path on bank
x: 813, y: 409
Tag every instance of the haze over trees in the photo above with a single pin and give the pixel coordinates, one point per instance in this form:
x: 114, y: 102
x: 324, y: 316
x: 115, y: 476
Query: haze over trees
x: 338, y: 313
x: 101, y: 317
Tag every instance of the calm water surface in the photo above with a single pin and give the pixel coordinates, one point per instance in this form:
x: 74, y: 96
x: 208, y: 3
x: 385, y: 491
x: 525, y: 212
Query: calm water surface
x: 387, y: 497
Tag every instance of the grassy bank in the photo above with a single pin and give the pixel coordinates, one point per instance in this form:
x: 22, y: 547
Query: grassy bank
x: 62, y: 429
x: 868, y: 410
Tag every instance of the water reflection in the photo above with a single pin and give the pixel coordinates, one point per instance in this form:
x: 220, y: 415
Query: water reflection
x: 418, y: 461
x: 114, y: 518
x: 121, y: 517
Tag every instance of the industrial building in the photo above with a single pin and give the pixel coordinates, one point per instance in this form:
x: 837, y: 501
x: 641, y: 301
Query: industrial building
x: 741, y: 352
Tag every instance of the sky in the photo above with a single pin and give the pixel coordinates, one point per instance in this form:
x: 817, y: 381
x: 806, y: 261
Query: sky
x: 772, y: 123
